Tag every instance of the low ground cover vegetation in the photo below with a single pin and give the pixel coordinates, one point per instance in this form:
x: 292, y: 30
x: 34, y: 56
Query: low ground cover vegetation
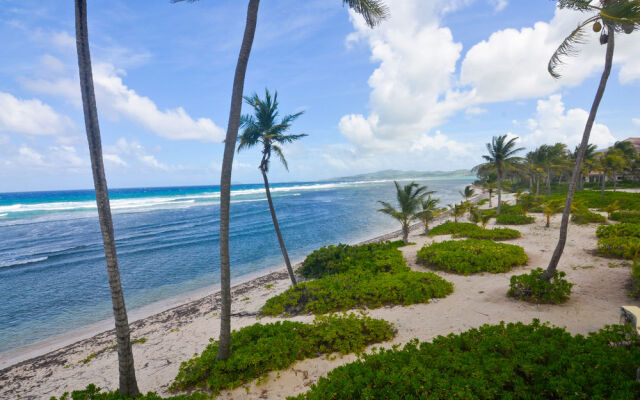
x: 356, y: 276
x: 471, y: 256
x: 513, y: 219
x: 473, y: 231
x: 259, y: 349
x: 533, y: 289
x: 506, y: 361
x: 584, y: 216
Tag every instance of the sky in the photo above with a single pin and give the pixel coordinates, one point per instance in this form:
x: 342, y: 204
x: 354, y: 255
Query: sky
x: 425, y: 90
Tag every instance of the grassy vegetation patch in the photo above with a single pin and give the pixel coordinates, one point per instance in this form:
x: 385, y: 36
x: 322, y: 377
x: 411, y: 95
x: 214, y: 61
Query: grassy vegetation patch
x: 630, y: 216
x: 258, y: 349
x: 627, y: 247
x: 623, y: 229
x: 533, y: 289
x: 449, y: 228
x: 583, y: 217
x: 635, y: 280
x: 512, y: 219
x: 92, y: 392
x: 473, y: 231
x: 374, y: 257
x: 627, y: 201
x: 356, y: 276
x: 513, y: 361
x: 472, y: 255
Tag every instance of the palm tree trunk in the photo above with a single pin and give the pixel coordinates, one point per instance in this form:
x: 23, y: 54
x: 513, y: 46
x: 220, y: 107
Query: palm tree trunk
x: 490, y: 198
x: 276, y: 226
x: 548, y: 221
x: 604, y: 182
x: 538, y: 186
x: 405, y: 234
x: 224, y: 348
x: 555, y: 259
x: 548, y: 181
x: 499, y: 191
x: 128, y: 384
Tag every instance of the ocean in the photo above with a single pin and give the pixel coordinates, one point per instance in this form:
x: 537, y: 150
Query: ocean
x: 52, y: 271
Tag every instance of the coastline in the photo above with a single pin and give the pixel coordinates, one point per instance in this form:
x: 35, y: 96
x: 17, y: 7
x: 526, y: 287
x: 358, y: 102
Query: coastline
x: 176, y: 308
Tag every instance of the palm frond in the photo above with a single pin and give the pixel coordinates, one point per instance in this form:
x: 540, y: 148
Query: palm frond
x: 280, y: 155
x: 567, y: 48
x: 373, y: 11
x: 580, y: 5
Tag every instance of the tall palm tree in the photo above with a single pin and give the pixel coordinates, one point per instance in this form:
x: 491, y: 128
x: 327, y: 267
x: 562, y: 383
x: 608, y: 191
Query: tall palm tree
x: 608, y: 17
x: 373, y: 11
x: 128, y: 384
x: 613, y: 162
x: 502, y: 156
x: 428, y: 212
x: 409, y: 200
x: 264, y: 128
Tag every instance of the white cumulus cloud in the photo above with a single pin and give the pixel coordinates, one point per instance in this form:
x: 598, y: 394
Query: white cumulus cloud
x: 31, y: 117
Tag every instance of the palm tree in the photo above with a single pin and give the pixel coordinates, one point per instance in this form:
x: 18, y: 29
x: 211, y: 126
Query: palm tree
x: 409, y: 199
x: 501, y: 157
x: 373, y: 11
x: 551, y: 208
x: 456, y: 210
x: 610, y: 16
x: 264, y: 128
x: 589, y: 159
x: 428, y: 212
x: 128, y: 384
x: 614, y: 162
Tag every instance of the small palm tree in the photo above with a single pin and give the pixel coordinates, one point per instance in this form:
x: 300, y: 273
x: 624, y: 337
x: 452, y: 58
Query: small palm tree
x: 608, y: 17
x: 502, y: 156
x: 263, y: 128
x: 456, y: 210
x: 409, y: 199
x: 614, y: 161
x: 428, y: 212
x: 551, y: 208
x: 612, y: 207
x: 527, y: 201
x: 485, y: 217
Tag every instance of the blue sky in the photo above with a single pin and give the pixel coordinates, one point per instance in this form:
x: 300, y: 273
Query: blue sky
x: 423, y: 91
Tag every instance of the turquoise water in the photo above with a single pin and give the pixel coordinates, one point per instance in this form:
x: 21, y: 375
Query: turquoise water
x: 52, y: 271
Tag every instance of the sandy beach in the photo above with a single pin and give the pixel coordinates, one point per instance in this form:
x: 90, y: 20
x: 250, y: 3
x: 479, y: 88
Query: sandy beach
x: 174, y: 335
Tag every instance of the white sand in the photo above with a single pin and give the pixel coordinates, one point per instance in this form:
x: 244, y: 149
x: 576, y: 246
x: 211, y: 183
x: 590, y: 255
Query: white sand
x: 175, y: 335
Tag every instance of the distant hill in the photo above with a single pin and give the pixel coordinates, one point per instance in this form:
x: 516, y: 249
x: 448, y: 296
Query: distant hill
x: 396, y: 174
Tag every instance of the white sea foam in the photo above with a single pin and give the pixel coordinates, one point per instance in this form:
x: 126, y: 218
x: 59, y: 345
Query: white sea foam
x: 164, y: 202
x: 23, y: 262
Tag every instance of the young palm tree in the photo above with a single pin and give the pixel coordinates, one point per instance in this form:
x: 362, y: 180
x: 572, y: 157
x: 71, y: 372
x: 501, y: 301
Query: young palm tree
x: 613, y: 162
x: 128, y: 384
x: 373, y: 12
x: 551, y: 208
x: 608, y: 17
x: 263, y: 128
x: 428, y: 212
x: 502, y: 156
x: 409, y: 199
x: 589, y: 159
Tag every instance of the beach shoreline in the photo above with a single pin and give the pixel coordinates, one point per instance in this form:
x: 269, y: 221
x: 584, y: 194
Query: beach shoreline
x: 47, y: 350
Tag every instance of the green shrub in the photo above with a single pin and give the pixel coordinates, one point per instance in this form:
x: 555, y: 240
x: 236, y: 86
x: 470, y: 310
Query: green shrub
x: 482, y: 202
x: 92, y: 392
x: 532, y: 288
x: 622, y: 229
x: 627, y: 201
x: 259, y: 349
x: 511, y: 219
x: 449, y: 228
x: 472, y: 255
x: 345, y: 291
x: 468, y: 230
x: 583, y: 217
x: 370, y: 275
x: 635, y: 279
x: 374, y: 257
x: 506, y: 209
x: 496, y: 234
x: 513, y: 361
x: 630, y: 216
x: 619, y: 246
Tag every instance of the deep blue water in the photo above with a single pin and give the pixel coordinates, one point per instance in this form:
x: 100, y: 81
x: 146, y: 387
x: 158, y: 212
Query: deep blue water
x: 52, y: 271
